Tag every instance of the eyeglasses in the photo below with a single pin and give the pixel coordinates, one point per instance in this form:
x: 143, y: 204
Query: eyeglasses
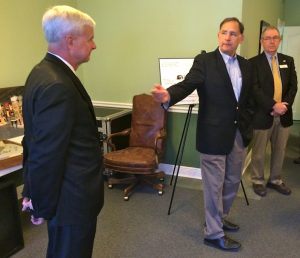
x: 275, y: 38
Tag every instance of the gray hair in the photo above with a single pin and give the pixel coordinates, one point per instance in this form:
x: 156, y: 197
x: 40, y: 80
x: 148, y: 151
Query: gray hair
x: 61, y: 20
x: 269, y: 27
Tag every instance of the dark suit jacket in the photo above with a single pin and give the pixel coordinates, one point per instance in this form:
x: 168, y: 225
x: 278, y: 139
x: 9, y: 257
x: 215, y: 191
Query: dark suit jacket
x: 219, y: 114
x: 62, y: 155
x: 264, y: 89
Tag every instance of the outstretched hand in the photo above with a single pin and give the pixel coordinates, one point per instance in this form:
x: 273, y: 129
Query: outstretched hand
x: 160, y: 94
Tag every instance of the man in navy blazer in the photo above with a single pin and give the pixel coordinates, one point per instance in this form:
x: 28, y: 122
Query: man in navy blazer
x: 274, y: 114
x: 223, y: 82
x: 63, y: 182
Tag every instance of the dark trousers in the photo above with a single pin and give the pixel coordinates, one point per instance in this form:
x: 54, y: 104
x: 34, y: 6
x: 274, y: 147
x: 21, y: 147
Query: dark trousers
x: 71, y: 241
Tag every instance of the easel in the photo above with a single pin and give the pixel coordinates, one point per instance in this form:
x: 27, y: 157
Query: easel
x: 180, y: 154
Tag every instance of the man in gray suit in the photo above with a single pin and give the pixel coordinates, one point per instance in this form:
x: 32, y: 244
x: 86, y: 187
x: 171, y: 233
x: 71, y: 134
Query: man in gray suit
x: 223, y: 82
x: 274, y: 92
x: 63, y: 182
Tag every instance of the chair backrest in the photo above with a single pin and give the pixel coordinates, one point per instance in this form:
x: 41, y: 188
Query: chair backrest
x: 148, y: 119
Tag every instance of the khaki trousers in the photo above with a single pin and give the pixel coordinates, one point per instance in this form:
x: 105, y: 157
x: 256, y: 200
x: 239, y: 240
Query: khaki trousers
x: 221, y: 176
x: 278, y: 136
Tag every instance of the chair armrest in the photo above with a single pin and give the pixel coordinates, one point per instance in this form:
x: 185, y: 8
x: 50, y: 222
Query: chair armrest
x: 160, y: 137
x: 125, y: 132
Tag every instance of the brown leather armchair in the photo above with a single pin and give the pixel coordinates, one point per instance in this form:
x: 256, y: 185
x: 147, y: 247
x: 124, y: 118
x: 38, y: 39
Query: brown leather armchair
x: 138, y: 162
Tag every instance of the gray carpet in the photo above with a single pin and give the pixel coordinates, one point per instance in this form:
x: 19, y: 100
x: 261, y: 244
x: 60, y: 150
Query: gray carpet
x: 141, y: 228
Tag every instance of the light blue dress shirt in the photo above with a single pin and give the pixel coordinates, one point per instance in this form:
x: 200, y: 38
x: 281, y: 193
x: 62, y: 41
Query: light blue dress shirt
x: 234, y: 72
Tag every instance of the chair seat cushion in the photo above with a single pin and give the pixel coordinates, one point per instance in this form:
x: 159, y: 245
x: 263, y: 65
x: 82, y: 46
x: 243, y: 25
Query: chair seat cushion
x: 131, y: 159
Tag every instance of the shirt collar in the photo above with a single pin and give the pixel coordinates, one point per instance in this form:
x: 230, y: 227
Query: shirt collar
x: 270, y: 56
x: 68, y: 64
x: 226, y: 57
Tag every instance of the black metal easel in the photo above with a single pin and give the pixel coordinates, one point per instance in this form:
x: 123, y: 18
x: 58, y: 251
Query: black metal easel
x: 180, y: 154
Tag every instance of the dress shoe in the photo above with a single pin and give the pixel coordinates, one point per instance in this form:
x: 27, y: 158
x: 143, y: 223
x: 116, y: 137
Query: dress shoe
x: 228, y: 226
x: 260, y: 189
x: 297, y: 161
x: 224, y: 243
x: 282, y: 188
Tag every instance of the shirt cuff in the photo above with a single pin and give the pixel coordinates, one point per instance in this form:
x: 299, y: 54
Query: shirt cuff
x: 166, y: 105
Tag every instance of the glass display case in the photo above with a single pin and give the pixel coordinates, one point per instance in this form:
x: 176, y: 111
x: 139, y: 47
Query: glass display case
x: 112, y: 120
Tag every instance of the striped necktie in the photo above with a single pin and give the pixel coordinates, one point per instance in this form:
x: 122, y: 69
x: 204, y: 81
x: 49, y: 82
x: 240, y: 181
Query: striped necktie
x: 277, y: 80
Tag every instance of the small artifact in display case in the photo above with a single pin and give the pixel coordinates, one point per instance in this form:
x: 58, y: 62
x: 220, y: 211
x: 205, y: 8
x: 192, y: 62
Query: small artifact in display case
x: 16, y: 118
x: 11, y: 107
x: 11, y: 154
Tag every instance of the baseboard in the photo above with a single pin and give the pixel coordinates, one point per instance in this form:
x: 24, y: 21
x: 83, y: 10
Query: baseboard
x: 177, y: 109
x: 97, y: 103
x: 190, y: 172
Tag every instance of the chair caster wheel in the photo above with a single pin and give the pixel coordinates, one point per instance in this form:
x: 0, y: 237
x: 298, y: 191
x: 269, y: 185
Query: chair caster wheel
x: 160, y: 192
x: 126, y: 198
x: 110, y: 186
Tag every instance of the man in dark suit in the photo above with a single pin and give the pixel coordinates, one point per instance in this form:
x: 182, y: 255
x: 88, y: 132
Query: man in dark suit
x: 223, y: 82
x: 63, y: 182
x: 274, y: 90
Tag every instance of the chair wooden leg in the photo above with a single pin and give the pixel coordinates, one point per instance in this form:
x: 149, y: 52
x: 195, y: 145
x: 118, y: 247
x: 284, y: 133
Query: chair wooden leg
x: 157, y: 186
x: 133, y: 180
x: 129, y: 189
x: 125, y: 180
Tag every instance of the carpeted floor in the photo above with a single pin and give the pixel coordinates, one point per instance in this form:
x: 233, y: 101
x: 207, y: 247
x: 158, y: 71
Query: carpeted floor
x: 141, y: 228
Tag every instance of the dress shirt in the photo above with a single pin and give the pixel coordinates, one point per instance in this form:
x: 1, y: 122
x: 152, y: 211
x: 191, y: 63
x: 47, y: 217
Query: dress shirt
x: 234, y: 72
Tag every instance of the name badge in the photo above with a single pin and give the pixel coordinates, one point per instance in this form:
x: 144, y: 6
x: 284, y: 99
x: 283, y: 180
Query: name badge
x: 283, y: 66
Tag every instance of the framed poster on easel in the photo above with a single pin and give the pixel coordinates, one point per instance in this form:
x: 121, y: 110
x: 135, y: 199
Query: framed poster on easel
x: 263, y: 24
x: 174, y: 70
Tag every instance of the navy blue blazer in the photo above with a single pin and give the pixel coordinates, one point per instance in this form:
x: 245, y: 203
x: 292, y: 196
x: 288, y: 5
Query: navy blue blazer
x: 264, y: 89
x: 62, y: 155
x: 219, y: 113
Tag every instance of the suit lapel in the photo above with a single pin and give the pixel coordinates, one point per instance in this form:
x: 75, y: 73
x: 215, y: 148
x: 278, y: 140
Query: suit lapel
x: 83, y: 92
x: 265, y: 66
x: 243, y: 68
x: 266, y: 69
x: 282, y: 61
x: 76, y: 81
